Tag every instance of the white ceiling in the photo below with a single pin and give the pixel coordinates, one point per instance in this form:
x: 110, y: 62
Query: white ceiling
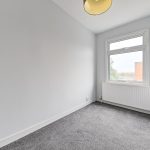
x: 121, y: 12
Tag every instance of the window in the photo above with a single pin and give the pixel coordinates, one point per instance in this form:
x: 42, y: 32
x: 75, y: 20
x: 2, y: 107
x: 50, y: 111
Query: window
x: 127, y: 58
x: 127, y: 43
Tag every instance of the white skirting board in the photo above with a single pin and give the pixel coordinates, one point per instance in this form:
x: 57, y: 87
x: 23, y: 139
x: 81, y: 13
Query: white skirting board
x: 27, y: 131
x: 124, y: 106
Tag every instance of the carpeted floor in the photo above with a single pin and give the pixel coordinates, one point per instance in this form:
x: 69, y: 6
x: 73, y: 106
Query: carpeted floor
x: 95, y: 127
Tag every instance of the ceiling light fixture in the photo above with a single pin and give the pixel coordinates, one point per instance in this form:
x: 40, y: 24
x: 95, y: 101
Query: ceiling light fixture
x: 96, y: 7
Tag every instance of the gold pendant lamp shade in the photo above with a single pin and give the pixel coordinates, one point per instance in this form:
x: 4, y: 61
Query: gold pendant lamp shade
x: 96, y: 7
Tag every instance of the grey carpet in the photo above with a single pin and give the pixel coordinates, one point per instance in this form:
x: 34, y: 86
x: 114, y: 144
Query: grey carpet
x: 95, y: 127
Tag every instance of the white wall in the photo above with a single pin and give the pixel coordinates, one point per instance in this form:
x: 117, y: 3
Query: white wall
x: 46, y: 64
x: 126, y: 95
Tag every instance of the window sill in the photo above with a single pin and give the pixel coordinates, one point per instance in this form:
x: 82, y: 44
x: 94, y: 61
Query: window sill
x: 128, y: 84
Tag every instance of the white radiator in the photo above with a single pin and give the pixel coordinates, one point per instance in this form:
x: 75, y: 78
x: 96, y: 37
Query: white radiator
x: 128, y: 95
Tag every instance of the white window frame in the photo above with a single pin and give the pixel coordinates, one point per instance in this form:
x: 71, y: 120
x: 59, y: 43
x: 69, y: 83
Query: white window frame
x: 146, y: 56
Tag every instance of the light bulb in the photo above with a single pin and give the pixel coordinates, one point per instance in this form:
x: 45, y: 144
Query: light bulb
x: 96, y: 7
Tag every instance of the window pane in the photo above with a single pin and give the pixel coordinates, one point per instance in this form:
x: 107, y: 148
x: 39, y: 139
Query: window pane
x: 126, y: 67
x: 127, y: 43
